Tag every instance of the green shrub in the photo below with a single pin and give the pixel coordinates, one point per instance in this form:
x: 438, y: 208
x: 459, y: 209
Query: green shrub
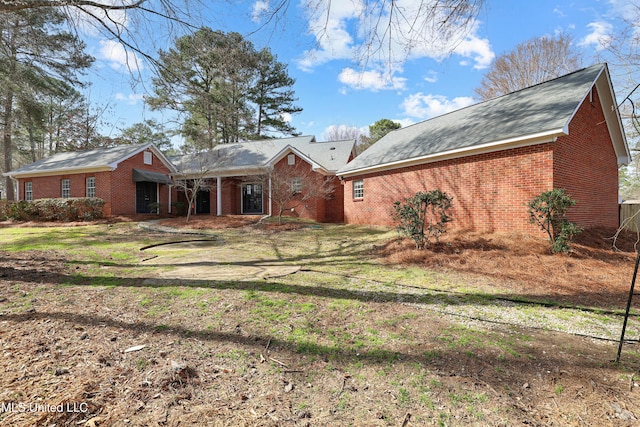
x: 75, y: 209
x: 180, y: 208
x: 423, y: 216
x: 18, y: 211
x: 548, y: 210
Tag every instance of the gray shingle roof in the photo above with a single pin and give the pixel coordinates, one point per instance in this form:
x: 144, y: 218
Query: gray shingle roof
x: 244, y: 157
x: 89, y: 159
x: 544, y: 108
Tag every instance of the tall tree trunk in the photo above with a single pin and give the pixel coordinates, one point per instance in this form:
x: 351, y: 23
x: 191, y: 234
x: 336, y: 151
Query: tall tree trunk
x: 6, y: 143
x: 32, y: 143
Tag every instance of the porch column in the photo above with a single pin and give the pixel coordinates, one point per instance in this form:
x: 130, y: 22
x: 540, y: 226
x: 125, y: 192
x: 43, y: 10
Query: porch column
x: 218, y: 196
x: 169, y: 206
x: 270, y: 198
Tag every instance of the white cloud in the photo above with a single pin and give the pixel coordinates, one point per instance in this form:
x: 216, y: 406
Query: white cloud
x: 286, y: 117
x: 424, y: 106
x: 371, y: 80
x: 259, y: 7
x: 600, y: 36
x: 92, y: 21
x: 131, y: 99
x: 119, y: 59
x: 331, y: 33
x: 477, y: 49
x: 559, y: 12
x: 345, y: 31
x: 431, y: 77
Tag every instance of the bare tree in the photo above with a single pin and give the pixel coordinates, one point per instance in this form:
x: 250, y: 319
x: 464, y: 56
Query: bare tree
x: 132, y: 23
x: 295, y: 187
x: 193, y: 175
x: 389, y: 30
x: 343, y: 133
x: 386, y: 28
x: 532, y: 62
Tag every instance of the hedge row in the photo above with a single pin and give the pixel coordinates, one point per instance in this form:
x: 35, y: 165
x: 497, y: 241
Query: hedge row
x: 74, y: 209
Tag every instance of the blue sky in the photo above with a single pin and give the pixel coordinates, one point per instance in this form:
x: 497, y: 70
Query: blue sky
x: 335, y: 90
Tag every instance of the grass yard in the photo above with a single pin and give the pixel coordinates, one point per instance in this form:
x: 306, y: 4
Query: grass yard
x: 310, y: 325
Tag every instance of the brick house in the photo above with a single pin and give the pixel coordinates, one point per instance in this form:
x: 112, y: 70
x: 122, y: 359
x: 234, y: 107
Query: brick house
x: 246, y: 178
x: 495, y: 156
x: 241, y: 178
x: 129, y: 178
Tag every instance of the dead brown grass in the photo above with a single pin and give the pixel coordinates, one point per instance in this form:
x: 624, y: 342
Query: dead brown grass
x: 211, y: 357
x: 592, y: 274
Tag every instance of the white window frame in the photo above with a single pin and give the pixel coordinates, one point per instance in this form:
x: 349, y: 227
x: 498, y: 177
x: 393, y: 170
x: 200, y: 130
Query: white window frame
x: 28, y: 191
x: 358, y: 189
x: 148, y: 158
x: 291, y: 159
x: 296, y: 185
x: 65, y: 185
x: 91, y: 186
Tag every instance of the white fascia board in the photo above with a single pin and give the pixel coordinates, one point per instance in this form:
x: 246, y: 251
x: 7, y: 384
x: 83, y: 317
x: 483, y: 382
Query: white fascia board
x: 275, y: 159
x: 534, y: 139
x: 612, y: 116
x: 155, y: 151
x: 225, y: 173
x: 114, y: 165
x: 53, y: 172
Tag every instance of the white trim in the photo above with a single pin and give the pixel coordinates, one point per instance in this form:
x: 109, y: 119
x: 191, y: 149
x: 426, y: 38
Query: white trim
x: 218, y: 195
x: 534, y: 139
x: 65, y: 171
x: 157, y: 198
x: 316, y: 167
x: 270, y: 198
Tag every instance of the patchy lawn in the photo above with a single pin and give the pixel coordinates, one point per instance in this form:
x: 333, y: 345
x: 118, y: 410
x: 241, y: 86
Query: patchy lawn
x: 477, y: 330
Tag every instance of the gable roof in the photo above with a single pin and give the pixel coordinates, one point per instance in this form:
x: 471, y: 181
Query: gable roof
x: 245, y: 158
x: 533, y: 115
x: 99, y: 159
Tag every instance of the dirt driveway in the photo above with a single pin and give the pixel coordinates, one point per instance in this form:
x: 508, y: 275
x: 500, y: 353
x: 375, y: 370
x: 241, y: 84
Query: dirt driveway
x: 207, y: 259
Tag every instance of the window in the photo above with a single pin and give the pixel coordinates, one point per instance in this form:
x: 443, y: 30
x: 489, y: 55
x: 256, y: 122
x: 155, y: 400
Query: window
x: 291, y: 159
x: 358, y: 189
x: 296, y: 185
x: 66, y: 188
x: 28, y: 191
x: 148, y: 158
x: 91, y: 186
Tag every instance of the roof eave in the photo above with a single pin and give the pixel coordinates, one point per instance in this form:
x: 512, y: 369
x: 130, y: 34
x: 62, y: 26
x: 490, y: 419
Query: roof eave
x: 151, y: 146
x: 289, y: 148
x: 612, y: 116
x: 533, y: 139
x: 59, y: 171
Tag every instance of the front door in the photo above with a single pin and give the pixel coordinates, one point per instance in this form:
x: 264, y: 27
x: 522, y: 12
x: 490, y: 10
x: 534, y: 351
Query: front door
x: 251, y: 198
x: 202, y: 202
x: 146, y: 194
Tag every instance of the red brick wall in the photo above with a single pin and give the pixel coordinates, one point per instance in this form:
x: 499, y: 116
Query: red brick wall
x: 316, y: 208
x: 334, y: 206
x: 123, y: 188
x: 585, y: 165
x: 116, y: 188
x: 490, y: 191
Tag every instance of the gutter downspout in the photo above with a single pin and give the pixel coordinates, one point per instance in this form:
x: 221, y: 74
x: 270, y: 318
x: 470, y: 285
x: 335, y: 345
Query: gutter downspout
x: 16, y: 187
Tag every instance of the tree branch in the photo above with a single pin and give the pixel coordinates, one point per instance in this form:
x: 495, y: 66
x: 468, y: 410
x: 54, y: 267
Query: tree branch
x: 16, y: 6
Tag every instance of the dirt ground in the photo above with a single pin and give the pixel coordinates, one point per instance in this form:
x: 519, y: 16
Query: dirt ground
x: 94, y: 357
